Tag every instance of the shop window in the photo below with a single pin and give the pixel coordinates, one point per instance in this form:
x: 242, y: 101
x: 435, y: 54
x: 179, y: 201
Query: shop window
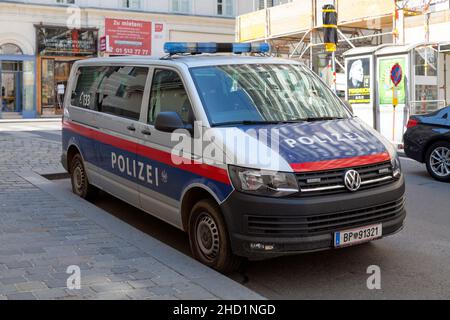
x: 113, y: 90
x: 10, y: 49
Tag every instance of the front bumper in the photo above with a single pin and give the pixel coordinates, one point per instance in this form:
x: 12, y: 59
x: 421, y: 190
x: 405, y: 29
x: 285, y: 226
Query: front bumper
x: 262, y: 227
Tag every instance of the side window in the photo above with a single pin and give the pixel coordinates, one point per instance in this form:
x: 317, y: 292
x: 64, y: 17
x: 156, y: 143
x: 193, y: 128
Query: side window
x: 168, y: 94
x: 114, y: 90
x: 88, y: 79
x: 121, y: 91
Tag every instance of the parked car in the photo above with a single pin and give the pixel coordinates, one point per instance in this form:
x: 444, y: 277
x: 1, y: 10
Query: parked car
x: 427, y: 140
x: 328, y: 181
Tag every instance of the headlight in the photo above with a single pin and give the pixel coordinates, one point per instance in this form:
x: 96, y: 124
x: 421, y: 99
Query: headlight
x: 263, y: 183
x: 396, y: 167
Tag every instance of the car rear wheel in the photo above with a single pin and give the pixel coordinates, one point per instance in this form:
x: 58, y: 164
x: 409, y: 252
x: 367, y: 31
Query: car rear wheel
x: 438, y: 161
x: 208, y: 237
x: 80, y: 182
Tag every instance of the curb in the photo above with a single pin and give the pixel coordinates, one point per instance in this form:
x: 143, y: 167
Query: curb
x: 212, y: 281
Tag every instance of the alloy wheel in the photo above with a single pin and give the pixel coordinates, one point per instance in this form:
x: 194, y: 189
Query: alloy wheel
x: 440, y: 161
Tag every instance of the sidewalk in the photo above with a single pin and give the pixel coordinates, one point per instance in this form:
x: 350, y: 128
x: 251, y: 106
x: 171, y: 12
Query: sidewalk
x: 44, y: 230
x: 36, y: 120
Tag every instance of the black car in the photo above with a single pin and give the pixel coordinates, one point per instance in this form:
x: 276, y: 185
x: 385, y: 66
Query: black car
x: 427, y: 140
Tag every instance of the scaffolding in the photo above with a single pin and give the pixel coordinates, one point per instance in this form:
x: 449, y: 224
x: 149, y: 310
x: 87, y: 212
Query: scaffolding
x: 294, y: 30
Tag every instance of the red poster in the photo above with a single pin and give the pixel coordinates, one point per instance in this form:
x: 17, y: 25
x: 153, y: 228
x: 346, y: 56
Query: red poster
x: 128, y: 37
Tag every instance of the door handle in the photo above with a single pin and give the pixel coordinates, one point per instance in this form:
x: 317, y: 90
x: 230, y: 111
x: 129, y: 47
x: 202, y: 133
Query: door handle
x: 146, y: 132
x: 131, y: 128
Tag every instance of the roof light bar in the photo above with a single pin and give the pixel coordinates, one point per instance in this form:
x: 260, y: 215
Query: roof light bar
x: 213, y: 47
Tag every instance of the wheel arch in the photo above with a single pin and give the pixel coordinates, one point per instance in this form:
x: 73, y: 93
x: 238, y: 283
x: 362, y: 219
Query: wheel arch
x: 190, y: 197
x: 71, y: 152
x: 429, y: 143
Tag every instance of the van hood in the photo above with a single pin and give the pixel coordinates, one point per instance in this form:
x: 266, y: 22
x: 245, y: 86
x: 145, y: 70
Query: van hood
x: 324, y: 145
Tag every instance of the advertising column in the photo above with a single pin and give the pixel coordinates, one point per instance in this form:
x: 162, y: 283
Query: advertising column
x: 387, y: 111
x: 359, y: 88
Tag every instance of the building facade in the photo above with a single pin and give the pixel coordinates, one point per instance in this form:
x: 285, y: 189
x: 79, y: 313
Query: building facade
x: 41, y: 39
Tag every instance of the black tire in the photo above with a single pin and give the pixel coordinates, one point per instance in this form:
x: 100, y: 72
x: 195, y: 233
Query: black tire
x: 79, y: 179
x: 209, y: 239
x: 432, y: 157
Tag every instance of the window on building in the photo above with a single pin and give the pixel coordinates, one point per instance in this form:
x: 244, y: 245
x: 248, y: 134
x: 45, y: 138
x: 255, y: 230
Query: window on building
x: 131, y: 4
x: 225, y: 7
x: 65, y: 1
x: 10, y: 49
x: 181, y: 6
x: 261, y: 4
x: 168, y: 94
x: 115, y: 90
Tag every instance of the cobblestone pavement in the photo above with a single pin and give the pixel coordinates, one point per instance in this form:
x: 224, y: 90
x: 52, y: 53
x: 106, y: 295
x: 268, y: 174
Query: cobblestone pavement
x: 42, y: 235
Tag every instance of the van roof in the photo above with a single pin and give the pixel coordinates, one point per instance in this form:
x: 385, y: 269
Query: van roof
x: 192, y: 60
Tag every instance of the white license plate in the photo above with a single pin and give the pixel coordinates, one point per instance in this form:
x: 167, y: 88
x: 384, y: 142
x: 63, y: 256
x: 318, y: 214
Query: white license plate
x: 359, y: 235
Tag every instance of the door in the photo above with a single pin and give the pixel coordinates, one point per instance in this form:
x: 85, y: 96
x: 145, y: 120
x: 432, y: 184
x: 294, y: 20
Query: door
x: 11, y: 84
x: 55, y: 75
x: 62, y: 73
x: 161, y: 191
x: 119, y: 99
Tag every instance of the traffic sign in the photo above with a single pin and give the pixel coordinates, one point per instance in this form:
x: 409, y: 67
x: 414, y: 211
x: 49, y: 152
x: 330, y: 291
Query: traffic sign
x: 396, y: 74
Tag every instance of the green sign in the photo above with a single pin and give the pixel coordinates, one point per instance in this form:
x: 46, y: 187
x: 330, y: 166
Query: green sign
x: 385, y: 83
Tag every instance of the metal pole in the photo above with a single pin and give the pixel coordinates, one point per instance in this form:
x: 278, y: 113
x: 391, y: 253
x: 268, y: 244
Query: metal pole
x: 333, y: 65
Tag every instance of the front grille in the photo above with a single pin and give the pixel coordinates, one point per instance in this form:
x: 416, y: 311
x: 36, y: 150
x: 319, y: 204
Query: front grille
x: 332, y: 182
x: 303, y: 226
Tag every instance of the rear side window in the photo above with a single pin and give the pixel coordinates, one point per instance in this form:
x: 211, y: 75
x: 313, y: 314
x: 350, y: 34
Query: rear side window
x: 116, y: 90
x: 86, y: 89
x: 168, y: 94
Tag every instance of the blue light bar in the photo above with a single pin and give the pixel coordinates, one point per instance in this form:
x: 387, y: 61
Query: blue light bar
x: 212, y: 47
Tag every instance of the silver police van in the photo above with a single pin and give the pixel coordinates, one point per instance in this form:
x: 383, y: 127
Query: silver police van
x: 183, y: 138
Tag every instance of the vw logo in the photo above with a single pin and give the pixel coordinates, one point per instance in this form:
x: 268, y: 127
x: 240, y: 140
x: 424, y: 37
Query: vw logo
x: 352, y: 180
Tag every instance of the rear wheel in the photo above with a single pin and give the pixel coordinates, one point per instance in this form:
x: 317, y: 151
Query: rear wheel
x: 208, y: 237
x: 80, y: 182
x: 438, y: 161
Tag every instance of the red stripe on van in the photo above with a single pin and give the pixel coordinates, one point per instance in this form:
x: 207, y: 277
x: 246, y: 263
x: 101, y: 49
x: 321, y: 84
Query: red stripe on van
x: 204, y: 170
x: 341, y: 163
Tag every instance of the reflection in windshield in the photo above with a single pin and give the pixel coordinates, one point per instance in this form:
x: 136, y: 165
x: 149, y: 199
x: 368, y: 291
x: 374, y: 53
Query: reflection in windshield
x: 264, y: 93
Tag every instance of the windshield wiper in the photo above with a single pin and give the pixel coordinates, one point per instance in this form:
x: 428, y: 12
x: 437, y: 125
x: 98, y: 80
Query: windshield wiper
x: 312, y: 119
x: 245, y: 123
x: 262, y: 122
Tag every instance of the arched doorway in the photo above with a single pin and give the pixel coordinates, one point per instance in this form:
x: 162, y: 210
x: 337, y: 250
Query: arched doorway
x: 17, y: 82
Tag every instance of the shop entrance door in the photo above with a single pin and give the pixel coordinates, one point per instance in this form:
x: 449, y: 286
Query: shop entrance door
x: 55, y: 75
x: 11, y: 84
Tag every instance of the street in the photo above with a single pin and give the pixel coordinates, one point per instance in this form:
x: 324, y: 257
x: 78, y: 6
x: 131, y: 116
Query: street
x: 414, y: 263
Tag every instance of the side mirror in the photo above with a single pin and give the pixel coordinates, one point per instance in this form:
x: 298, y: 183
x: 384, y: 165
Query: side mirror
x: 349, y: 106
x: 169, y: 122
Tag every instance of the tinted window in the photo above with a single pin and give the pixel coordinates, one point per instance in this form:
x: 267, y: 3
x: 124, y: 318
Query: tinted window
x: 87, y: 85
x: 168, y: 94
x: 114, y: 90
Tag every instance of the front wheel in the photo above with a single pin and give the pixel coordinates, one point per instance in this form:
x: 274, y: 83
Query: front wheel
x: 209, y: 238
x: 438, y: 161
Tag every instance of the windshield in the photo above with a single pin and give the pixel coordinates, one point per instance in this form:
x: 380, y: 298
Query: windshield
x: 264, y: 93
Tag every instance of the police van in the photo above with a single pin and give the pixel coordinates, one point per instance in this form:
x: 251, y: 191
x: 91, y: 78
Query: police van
x: 253, y: 156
